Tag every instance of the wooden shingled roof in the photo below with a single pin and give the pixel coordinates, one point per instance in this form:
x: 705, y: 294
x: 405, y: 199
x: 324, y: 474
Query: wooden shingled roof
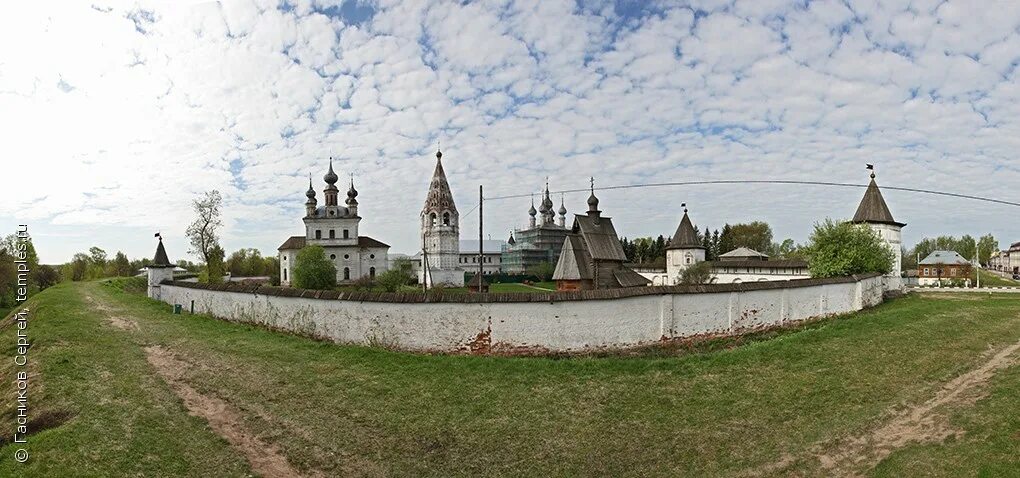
x: 873, y: 208
x: 573, y: 262
x: 685, y: 236
x: 600, y: 238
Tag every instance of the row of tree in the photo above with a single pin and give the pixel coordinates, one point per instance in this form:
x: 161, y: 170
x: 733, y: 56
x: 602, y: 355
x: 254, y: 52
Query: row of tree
x: 982, y: 248
x: 755, y: 235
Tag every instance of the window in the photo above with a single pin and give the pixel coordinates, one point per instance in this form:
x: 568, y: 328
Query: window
x: 926, y: 271
x: 371, y: 256
x: 446, y: 219
x: 952, y: 271
x: 318, y: 234
x: 347, y: 273
x: 285, y: 274
x: 347, y: 234
x: 347, y: 256
x: 332, y: 213
x: 371, y: 272
x: 332, y: 234
x: 688, y: 258
x: 432, y: 219
x: 332, y: 257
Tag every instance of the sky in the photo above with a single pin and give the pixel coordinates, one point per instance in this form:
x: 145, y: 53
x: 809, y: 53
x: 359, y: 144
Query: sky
x: 115, y: 116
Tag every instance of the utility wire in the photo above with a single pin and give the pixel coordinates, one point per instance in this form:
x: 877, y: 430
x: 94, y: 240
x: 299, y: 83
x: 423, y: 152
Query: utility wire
x: 763, y: 181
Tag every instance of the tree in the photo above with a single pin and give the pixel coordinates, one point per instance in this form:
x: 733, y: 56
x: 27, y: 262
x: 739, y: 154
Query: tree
x: 202, y: 233
x: 47, y: 276
x: 542, y: 270
x: 698, y: 273
x: 844, y: 248
x: 214, y: 267
x: 706, y: 242
x: 715, y: 246
x: 121, y: 266
x: 756, y: 235
x: 78, y: 268
x: 986, y: 246
x: 313, y: 270
x: 393, y: 279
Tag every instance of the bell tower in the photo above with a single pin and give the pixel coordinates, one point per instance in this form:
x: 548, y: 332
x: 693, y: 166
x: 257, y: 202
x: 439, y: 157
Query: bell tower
x: 440, y: 229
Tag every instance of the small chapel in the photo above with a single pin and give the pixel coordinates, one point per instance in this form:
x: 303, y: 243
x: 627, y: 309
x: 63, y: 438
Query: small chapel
x: 335, y: 228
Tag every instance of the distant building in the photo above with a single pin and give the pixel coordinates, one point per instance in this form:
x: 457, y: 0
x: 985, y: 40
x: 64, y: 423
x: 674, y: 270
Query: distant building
x: 1006, y: 261
x: 592, y: 257
x: 440, y: 230
x: 492, y: 251
x: 684, y: 250
x: 941, y: 267
x: 748, y: 265
x: 736, y: 266
x: 335, y: 228
x: 540, y: 242
x: 875, y: 213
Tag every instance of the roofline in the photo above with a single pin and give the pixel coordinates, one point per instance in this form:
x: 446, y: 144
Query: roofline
x: 891, y: 223
x: 681, y: 246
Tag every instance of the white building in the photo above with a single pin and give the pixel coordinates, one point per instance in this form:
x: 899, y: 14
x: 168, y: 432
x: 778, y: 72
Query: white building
x: 875, y: 213
x: 736, y: 266
x: 684, y: 250
x: 492, y: 251
x: 440, y: 230
x: 335, y: 228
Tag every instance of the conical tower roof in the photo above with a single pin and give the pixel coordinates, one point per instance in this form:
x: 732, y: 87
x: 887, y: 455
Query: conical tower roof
x: 685, y: 236
x: 873, y: 208
x: 160, y: 260
x: 439, y: 198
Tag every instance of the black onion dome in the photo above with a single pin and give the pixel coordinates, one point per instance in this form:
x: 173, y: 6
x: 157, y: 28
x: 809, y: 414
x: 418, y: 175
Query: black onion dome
x: 593, y: 202
x: 310, y: 194
x: 352, y: 193
x: 331, y: 178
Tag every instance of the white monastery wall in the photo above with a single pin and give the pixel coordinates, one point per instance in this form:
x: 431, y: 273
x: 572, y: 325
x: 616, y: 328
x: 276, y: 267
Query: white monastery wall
x: 553, y: 322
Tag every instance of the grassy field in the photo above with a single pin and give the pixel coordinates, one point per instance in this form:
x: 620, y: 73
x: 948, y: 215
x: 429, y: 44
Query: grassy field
x: 790, y: 405
x: 989, y: 279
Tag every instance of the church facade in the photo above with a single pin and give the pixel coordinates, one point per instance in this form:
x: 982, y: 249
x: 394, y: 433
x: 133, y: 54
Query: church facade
x: 335, y: 228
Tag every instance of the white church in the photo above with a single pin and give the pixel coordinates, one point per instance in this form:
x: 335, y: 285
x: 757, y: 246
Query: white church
x: 335, y: 228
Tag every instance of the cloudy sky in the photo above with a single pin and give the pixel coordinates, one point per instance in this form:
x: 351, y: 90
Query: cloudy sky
x: 115, y: 116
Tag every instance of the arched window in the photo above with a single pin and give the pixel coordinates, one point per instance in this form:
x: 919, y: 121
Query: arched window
x: 432, y: 219
x: 285, y: 274
x: 688, y: 258
x: 347, y: 273
x: 446, y: 219
x: 332, y: 256
x: 371, y: 272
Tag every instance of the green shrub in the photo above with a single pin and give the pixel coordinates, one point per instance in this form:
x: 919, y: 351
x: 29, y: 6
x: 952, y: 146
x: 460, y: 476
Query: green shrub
x: 312, y: 270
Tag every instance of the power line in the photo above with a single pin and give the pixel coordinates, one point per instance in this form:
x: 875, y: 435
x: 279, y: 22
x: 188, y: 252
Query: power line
x: 765, y: 181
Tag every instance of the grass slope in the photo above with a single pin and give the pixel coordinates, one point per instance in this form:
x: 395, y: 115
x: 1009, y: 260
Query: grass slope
x: 348, y: 410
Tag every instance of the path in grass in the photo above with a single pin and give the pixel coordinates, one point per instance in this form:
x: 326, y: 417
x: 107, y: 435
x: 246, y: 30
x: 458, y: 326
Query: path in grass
x: 353, y: 411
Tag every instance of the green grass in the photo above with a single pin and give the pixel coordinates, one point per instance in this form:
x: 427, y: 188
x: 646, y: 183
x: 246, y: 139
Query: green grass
x: 345, y: 410
x: 989, y: 279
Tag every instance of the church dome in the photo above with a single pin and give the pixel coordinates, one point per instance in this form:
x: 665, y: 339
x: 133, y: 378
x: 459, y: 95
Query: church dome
x: 352, y: 193
x: 593, y: 202
x: 331, y: 178
x: 563, y: 210
x: 310, y: 193
x: 531, y: 210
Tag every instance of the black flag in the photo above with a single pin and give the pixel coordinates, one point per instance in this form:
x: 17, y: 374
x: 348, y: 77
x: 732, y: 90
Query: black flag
x: 871, y: 167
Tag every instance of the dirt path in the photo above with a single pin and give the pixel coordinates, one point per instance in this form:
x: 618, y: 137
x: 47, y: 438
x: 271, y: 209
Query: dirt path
x: 927, y: 422
x: 265, y: 459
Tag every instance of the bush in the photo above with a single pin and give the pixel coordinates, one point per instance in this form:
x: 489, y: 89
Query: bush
x: 312, y: 270
x: 393, y: 279
x: 699, y: 273
x: 839, y: 249
x: 363, y: 283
